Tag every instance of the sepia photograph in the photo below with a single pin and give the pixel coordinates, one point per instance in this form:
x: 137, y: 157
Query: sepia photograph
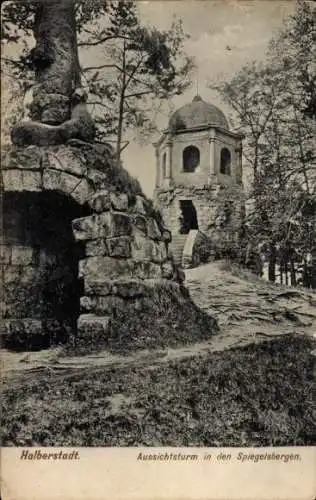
x: 158, y: 226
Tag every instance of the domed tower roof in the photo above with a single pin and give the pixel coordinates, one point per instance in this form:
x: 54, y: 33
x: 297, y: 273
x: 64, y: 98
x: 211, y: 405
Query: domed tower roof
x: 197, y: 113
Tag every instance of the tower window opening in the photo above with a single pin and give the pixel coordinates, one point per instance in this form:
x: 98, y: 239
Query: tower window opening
x: 164, y: 165
x: 191, y: 158
x: 225, y: 167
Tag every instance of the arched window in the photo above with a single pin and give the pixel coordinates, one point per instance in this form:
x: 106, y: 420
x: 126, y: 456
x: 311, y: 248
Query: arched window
x: 191, y: 158
x: 164, y: 165
x: 225, y: 167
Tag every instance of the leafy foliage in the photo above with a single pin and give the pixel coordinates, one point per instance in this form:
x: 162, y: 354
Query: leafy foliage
x: 274, y: 106
x: 140, y: 69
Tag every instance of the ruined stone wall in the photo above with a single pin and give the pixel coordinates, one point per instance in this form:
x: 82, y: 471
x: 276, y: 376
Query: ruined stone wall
x: 219, y: 209
x: 126, y: 256
x: 209, y: 202
x: 85, y: 254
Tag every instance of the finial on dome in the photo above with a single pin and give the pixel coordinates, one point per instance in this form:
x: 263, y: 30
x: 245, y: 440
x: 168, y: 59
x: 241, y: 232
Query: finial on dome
x: 197, y: 98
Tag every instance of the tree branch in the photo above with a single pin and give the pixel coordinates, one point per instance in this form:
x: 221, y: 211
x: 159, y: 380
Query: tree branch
x: 103, y: 40
x: 125, y: 146
x: 102, y: 104
x: 102, y: 66
x: 139, y: 93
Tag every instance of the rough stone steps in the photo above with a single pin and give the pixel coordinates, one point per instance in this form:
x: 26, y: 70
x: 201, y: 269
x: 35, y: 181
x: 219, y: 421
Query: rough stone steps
x: 177, y: 246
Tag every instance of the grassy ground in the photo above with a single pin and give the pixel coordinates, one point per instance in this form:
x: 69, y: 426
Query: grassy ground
x: 168, y: 318
x: 258, y: 395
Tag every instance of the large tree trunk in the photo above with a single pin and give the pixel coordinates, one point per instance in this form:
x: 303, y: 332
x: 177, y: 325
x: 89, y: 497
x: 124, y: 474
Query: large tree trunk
x: 121, y: 109
x: 58, y: 110
x: 293, y: 272
x: 54, y: 59
x: 313, y: 269
x: 272, y: 262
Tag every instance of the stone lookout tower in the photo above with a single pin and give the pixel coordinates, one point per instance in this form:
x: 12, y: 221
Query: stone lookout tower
x: 199, y: 179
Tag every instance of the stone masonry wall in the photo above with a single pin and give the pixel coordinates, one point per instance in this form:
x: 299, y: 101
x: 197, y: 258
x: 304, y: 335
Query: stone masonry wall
x: 84, y: 228
x: 219, y: 210
x: 209, y: 202
x: 126, y: 254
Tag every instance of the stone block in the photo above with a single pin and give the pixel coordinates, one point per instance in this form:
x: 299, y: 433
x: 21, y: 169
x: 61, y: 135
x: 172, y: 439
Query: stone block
x: 22, y: 180
x: 108, y: 268
x: 140, y: 223
x: 128, y: 288
x: 166, y: 236
x: 140, y: 270
x: 21, y: 256
x: 24, y: 326
x: 153, y: 230
x: 114, y: 224
x: 140, y: 205
x: 86, y: 228
x: 154, y: 271
x: 97, y: 286
x: 96, y: 178
x: 145, y: 270
x: 82, y: 191
x: 158, y: 252
x: 90, y: 325
x: 64, y: 159
x: 11, y: 274
x: 25, y: 158
x: 119, y: 201
x: 141, y: 247
x: 105, y: 268
x: 87, y: 303
x: 167, y: 269
x: 96, y: 247
x: 100, y: 305
x: 119, y: 247
x: 101, y: 201
x: 5, y: 254
x: 78, y: 188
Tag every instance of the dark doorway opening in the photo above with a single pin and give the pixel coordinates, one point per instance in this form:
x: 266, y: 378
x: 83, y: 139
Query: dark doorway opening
x: 188, y: 218
x: 41, y: 267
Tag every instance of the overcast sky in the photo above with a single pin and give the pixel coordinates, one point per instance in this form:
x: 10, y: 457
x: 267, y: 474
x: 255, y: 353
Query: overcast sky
x: 244, y: 26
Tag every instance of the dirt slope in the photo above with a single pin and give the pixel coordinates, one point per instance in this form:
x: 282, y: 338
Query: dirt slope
x: 248, y: 306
